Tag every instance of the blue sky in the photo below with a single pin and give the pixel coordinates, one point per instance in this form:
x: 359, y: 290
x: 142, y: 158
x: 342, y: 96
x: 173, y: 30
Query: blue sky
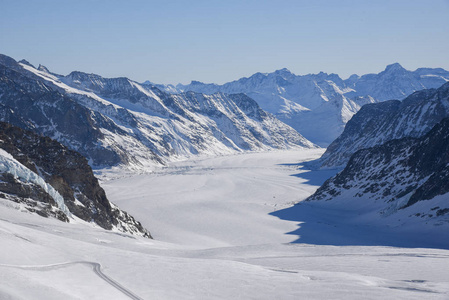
x: 219, y: 41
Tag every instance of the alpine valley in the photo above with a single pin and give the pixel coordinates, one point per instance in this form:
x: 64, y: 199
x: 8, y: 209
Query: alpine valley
x: 241, y: 200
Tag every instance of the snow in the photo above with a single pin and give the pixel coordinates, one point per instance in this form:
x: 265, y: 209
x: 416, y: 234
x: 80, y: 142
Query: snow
x: 299, y: 100
x: 215, y: 239
x: 55, y: 80
x: 154, y: 133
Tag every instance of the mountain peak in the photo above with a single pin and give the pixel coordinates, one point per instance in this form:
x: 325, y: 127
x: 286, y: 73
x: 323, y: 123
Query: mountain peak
x: 283, y: 71
x: 43, y: 68
x: 25, y: 62
x: 394, y: 67
x: 196, y: 82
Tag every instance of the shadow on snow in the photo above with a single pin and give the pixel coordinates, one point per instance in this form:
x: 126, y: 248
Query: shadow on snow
x: 320, y: 225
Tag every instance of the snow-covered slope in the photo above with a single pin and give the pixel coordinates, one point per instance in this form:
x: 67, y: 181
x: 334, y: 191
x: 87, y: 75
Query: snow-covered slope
x: 395, y: 82
x: 378, y: 123
x: 223, y: 246
x: 118, y: 121
x: 319, y: 105
x: 402, y: 182
x: 43, y: 176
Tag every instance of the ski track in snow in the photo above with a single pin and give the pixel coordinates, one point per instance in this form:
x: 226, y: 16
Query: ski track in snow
x: 96, y: 267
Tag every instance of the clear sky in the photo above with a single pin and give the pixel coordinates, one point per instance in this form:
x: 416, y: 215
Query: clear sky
x: 218, y: 41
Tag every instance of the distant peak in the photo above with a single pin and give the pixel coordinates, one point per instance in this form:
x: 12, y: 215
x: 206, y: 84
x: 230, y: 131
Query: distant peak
x: 283, y: 70
x: 25, y: 62
x: 196, y: 82
x: 43, y: 69
x: 394, y: 67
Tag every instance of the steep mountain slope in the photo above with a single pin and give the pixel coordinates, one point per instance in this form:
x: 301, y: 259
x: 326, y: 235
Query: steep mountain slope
x: 406, y: 178
x: 319, y: 105
x: 118, y: 121
x: 378, y: 123
x: 45, y: 177
x: 51, y: 113
x: 295, y: 100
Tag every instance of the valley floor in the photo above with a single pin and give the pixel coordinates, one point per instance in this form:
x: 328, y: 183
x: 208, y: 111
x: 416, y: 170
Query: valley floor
x: 216, y: 237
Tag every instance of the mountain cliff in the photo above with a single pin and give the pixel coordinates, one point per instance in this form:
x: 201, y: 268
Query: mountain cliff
x: 46, y: 178
x: 405, y: 179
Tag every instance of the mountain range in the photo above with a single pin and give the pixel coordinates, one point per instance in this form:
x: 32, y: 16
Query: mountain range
x: 116, y: 121
x: 56, y: 127
x: 319, y: 105
x: 378, y: 123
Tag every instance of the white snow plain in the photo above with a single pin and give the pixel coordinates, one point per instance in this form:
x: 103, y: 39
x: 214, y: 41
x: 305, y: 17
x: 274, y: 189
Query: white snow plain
x: 215, y: 238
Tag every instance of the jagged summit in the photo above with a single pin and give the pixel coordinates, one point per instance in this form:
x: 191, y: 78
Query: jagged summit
x: 283, y: 71
x: 25, y: 62
x: 319, y: 105
x: 43, y: 69
x: 193, y: 82
x: 394, y: 68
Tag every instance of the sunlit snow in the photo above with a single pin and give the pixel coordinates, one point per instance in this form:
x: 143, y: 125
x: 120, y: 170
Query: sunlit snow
x: 215, y: 238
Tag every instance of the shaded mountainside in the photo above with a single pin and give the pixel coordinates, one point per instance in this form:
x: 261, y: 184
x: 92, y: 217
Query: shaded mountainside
x: 319, y: 105
x: 378, y: 123
x: 51, y: 180
x: 25, y: 96
x: 116, y: 121
x: 407, y: 177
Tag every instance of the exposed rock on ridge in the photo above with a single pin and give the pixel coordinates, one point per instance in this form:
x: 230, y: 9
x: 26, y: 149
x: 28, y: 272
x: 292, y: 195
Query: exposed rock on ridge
x: 116, y: 121
x: 378, y: 123
x: 410, y: 174
x: 68, y: 173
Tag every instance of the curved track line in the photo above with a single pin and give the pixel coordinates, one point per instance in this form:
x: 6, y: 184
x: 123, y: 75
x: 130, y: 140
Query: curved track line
x: 96, y: 267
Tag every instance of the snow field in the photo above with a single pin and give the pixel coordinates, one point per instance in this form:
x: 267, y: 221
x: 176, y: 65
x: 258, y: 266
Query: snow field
x: 215, y: 239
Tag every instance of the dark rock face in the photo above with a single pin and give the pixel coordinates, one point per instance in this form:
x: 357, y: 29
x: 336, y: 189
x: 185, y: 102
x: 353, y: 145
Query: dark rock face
x: 378, y: 123
x: 33, y: 196
x: 68, y: 173
x: 52, y: 114
x: 399, y: 174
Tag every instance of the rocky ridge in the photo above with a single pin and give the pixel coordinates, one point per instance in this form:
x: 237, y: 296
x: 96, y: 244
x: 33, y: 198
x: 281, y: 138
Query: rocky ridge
x: 47, y: 178
x: 407, y: 177
x: 378, y: 123
x: 116, y: 121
